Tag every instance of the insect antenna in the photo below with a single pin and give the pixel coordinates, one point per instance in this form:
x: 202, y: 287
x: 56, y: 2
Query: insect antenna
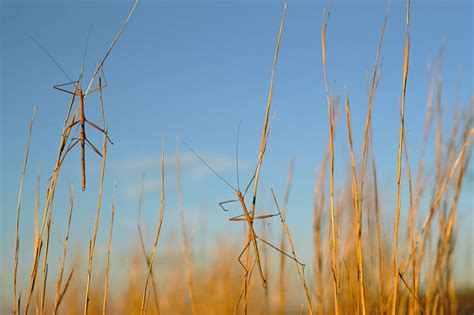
x: 208, y: 166
x: 85, y: 52
x: 49, y: 55
x: 96, y: 71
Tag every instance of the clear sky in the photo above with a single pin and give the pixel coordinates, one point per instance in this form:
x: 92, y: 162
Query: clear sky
x: 195, y: 69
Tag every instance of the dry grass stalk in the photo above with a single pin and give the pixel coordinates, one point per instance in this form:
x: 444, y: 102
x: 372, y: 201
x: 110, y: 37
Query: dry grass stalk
x: 267, y: 305
x: 462, y: 170
x: 45, y: 264
x: 437, y: 199
x: 109, y: 244
x: 282, y: 239
x: 368, y: 127
x: 380, y: 291
x: 57, y: 298
x: 412, y: 292
x: 318, y: 257
x: 36, y: 210
x: 443, y: 287
x: 184, y: 237
x: 96, y: 225
x: 158, y: 230
x: 114, y: 41
x: 357, y: 210
x: 263, y: 142
x: 411, y: 229
x: 438, y: 132
x: 16, y: 300
x: 427, y: 253
x: 373, y: 88
x: 297, y: 263
x: 449, y: 242
x: 48, y: 204
x: 318, y: 208
x: 62, y: 152
x: 331, y: 183
x: 244, y: 283
x: 317, y: 213
x: 66, y: 286
x: 142, y: 245
x: 399, y: 162
x: 36, y: 225
x: 419, y: 186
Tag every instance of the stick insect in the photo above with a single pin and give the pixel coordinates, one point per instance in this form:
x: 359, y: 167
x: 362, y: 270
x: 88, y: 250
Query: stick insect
x: 82, y: 120
x: 81, y: 94
x: 246, y: 214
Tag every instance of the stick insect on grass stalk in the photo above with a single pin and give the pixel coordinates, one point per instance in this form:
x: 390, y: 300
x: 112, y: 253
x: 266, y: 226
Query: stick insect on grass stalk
x: 241, y: 199
x: 79, y: 118
x: 55, y: 174
x: 81, y: 121
x: 246, y: 214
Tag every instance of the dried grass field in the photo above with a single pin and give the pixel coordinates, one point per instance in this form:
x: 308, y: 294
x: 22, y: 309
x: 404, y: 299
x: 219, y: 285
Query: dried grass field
x: 361, y: 260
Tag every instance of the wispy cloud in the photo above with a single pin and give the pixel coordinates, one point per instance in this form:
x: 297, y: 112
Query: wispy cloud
x: 149, y: 185
x: 190, y: 164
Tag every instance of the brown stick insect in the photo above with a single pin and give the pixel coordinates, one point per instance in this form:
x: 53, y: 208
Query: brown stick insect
x: 82, y: 120
x: 79, y: 118
x: 254, y: 238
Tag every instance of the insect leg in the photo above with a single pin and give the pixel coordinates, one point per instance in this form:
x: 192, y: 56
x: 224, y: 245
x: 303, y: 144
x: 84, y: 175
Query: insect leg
x: 238, y: 218
x: 240, y: 257
x: 263, y: 216
x: 97, y: 89
x: 69, y: 148
x: 72, y: 124
x: 93, y: 147
x: 280, y: 251
x: 227, y: 201
x: 74, y: 141
x: 59, y: 87
x: 100, y: 129
x: 242, y: 289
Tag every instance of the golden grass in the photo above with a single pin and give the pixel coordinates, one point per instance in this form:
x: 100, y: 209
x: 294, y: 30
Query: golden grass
x: 331, y: 149
x: 16, y: 300
x: 184, y: 234
x: 357, y: 211
x: 109, y: 244
x: 158, y: 229
x: 399, y: 163
x: 357, y: 268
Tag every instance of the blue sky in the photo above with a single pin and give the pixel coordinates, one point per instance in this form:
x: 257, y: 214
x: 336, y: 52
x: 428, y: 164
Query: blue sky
x: 195, y: 70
